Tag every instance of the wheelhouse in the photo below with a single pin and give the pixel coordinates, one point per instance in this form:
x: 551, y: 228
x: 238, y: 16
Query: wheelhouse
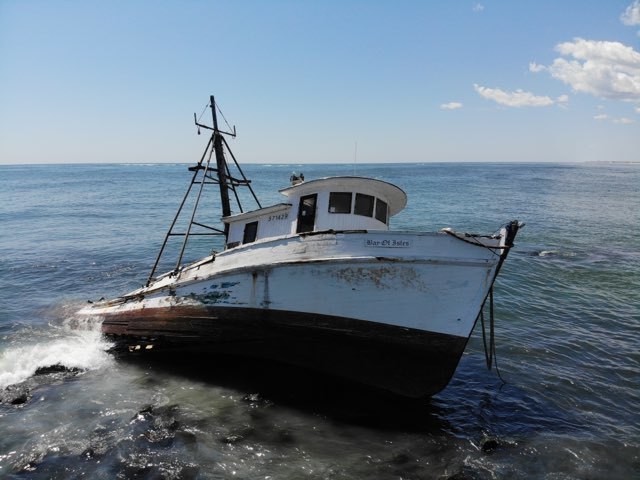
x: 336, y: 203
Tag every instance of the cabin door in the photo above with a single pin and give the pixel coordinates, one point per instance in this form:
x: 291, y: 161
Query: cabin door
x: 307, y: 213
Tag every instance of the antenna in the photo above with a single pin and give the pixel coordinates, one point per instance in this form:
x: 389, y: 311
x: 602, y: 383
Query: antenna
x: 355, y: 158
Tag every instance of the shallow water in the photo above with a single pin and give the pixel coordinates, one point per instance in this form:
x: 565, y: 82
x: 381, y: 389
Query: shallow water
x: 568, y: 324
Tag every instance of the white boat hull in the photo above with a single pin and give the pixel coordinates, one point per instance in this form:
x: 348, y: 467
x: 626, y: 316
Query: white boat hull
x: 393, y: 310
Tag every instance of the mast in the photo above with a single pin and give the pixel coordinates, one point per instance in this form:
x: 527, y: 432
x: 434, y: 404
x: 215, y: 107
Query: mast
x: 205, y: 174
x: 221, y: 165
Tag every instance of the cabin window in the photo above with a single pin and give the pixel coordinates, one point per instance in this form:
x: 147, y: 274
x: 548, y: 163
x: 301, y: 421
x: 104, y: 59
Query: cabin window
x: 364, y: 205
x: 250, y: 232
x: 340, y: 202
x: 381, y: 210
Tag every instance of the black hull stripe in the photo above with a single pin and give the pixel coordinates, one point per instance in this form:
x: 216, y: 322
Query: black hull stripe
x: 405, y: 361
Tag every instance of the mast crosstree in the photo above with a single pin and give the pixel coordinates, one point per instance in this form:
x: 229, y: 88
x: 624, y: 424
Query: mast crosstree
x: 204, y: 173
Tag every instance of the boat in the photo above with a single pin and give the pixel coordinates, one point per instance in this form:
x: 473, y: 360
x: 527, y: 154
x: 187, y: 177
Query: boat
x: 319, y: 281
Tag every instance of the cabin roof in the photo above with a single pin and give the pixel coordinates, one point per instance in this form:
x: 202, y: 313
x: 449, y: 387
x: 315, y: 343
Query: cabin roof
x: 395, y: 197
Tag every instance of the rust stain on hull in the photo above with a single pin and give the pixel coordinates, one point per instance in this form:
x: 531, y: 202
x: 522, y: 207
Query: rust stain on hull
x: 381, y: 277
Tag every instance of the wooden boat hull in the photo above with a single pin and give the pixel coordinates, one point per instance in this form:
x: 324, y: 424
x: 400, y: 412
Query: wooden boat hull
x: 405, y: 361
x: 396, y: 323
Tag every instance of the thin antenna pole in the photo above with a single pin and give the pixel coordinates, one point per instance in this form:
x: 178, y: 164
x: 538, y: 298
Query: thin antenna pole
x: 355, y: 158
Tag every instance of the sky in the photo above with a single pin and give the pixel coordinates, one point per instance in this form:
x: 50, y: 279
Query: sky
x: 321, y: 81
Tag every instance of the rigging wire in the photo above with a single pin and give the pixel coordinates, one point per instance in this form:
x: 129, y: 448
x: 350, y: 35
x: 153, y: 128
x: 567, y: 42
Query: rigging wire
x: 204, y: 110
x: 490, y: 351
x: 223, y: 117
x: 466, y: 238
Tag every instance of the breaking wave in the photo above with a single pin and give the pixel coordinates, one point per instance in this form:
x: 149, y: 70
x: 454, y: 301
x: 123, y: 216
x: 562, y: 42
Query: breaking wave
x: 76, y: 343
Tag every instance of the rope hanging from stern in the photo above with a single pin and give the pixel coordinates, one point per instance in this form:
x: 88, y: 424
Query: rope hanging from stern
x: 490, y: 349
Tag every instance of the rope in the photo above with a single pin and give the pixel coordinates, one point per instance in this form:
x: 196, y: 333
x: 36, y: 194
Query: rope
x: 490, y: 350
x: 203, y: 110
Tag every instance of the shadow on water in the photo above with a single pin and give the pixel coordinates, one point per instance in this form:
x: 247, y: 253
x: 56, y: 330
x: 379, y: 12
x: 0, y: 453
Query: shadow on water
x: 300, y: 389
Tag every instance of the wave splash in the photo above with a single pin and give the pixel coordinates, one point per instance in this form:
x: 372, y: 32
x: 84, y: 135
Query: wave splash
x: 76, y: 343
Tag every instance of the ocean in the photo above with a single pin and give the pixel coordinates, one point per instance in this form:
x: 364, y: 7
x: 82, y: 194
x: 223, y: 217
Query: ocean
x: 567, y: 309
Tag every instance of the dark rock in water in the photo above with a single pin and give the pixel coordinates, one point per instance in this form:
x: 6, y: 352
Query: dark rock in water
x: 15, y: 395
x: 256, y: 400
x: 231, y: 439
x: 147, y: 409
x: 57, y: 368
x: 157, y: 424
x: 490, y: 446
x: 30, y: 467
x: 88, y: 453
x: 21, y: 399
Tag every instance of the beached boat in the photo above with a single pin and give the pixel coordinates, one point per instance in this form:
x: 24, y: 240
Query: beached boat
x: 318, y: 281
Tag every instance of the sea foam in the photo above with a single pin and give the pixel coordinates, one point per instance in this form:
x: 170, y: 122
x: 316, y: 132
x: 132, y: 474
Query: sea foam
x: 74, y: 344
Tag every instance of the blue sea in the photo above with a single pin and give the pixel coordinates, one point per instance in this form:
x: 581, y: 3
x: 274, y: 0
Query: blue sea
x: 567, y: 309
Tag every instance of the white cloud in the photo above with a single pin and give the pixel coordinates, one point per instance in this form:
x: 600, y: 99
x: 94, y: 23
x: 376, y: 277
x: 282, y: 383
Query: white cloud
x: 631, y: 15
x: 535, y: 68
x: 603, y: 69
x: 518, y: 98
x: 562, y: 101
x: 637, y: 109
x: 620, y: 120
x: 478, y: 7
x: 451, y: 106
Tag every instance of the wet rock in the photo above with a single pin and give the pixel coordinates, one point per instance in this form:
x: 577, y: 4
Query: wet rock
x: 16, y: 395
x: 231, y: 439
x: 147, y: 409
x: 157, y: 424
x: 57, y: 368
x: 20, y: 400
x: 88, y: 453
x: 30, y: 467
x: 256, y: 400
x: 490, y: 446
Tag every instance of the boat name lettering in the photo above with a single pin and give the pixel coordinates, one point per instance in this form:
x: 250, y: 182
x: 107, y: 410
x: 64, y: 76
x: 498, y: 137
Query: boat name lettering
x: 282, y: 216
x: 387, y: 242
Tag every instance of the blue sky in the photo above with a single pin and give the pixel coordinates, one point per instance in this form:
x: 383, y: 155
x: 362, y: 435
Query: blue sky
x: 408, y: 81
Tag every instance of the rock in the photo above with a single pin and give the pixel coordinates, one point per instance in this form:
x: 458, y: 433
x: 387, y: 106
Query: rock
x: 490, y: 446
x: 16, y: 395
x: 20, y: 400
x: 88, y: 453
x: 57, y: 368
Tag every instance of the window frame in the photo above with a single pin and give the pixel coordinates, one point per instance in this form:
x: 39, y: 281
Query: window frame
x: 386, y: 211
x: 343, y: 194
x: 372, y: 208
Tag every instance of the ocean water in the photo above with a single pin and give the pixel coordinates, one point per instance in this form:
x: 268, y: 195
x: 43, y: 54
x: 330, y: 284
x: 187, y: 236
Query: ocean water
x: 567, y: 326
